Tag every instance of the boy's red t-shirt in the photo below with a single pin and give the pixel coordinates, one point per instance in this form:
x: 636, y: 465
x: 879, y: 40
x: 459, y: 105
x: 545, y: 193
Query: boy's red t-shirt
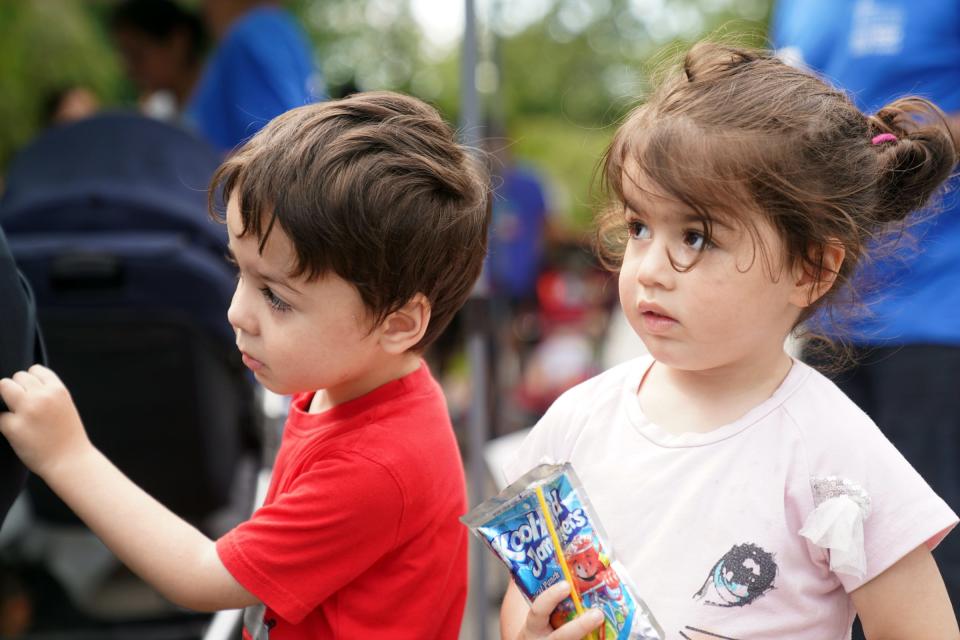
x: 359, y: 534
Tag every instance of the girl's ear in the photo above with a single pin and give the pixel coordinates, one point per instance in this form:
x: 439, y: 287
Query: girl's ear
x: 810, y: 286
x: 404, y: 328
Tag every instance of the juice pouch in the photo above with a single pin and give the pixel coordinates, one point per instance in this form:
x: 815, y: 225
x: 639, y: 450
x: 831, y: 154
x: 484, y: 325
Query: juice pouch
x: 513, y: 524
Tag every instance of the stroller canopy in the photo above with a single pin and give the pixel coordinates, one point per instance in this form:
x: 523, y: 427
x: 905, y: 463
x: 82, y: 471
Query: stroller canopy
x: 111, y: 165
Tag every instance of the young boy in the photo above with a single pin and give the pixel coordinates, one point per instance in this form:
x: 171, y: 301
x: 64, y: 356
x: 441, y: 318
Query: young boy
x: 358, y: 228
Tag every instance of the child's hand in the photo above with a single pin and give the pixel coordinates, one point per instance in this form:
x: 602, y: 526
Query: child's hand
x: 43, y: 425
x: 537, y: 624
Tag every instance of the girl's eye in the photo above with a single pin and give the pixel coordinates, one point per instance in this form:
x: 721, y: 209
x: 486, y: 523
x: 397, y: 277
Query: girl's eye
x: 275, y: 303
x: 638, y: 230
x: 696, y: 240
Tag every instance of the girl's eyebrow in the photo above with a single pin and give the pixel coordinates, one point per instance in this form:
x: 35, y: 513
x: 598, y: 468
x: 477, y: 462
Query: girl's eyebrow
x: 694, y: 218
x: 682, y: 211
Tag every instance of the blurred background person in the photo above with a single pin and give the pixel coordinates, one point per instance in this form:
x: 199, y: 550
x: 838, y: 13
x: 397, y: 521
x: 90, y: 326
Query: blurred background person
x: 261, y: 66
x: 162, y: 45
x: 518, y: 236
x: 69, y: 105
x: 907, y: 344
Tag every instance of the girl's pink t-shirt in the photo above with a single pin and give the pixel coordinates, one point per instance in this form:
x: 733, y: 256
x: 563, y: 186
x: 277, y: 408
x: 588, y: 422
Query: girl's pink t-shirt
x: 708, y: 524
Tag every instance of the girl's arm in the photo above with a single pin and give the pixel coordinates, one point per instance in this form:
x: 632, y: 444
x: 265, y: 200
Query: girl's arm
x: 908, y: 600
x: 167, y: 552
x: 520, y: 621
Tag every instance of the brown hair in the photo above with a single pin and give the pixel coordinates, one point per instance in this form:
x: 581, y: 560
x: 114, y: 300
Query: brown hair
x: 737, y: 125
x: 374, y: 188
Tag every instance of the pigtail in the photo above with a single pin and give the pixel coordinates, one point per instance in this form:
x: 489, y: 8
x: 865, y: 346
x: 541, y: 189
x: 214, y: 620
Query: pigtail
x: 916, y: 154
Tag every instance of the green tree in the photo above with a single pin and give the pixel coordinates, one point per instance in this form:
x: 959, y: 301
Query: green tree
x: 45, y: 47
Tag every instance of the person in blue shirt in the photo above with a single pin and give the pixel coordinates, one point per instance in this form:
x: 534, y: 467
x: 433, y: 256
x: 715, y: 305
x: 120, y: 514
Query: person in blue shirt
x: 261, y: 67
x: 908, y: 341
x: 518, y: 234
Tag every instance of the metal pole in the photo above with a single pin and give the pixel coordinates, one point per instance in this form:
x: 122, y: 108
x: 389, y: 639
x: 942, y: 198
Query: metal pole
x: 476, y: 323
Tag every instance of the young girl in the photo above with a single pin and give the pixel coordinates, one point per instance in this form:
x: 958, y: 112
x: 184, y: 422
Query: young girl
x: 747, y: 497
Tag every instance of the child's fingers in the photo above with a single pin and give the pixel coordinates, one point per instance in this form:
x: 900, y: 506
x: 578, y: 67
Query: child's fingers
x: 544, y: 604
x: 26, y: 380
x: 44, y: 375
x: 580, y: 626
x: 11, y: 392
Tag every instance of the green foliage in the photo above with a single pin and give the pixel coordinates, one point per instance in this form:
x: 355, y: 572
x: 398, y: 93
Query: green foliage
x: 569, y: 154
x: 372, y: 44
x: 45, y: 47
x: 558, y: 85
x: 563, y: 89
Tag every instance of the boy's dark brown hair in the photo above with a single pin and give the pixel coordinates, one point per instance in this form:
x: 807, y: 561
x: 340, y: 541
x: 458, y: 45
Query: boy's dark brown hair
x: 735, y: 127
x: 374, y: 188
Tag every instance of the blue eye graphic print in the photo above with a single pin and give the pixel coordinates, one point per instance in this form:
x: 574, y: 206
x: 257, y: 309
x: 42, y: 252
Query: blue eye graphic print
x: 742, y: 575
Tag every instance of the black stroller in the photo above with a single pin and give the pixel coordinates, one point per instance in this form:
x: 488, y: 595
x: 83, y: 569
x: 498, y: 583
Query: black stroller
x: 107, y: 219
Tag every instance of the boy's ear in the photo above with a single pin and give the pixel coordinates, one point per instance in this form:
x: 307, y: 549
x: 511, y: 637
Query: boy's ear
x: 404, y: 328
x: 810, y: 286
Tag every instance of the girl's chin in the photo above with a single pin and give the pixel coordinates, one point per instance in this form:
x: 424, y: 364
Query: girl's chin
x: 673, y: 357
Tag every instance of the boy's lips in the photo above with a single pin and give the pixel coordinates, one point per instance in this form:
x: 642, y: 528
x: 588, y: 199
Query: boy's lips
x: 252, y: 363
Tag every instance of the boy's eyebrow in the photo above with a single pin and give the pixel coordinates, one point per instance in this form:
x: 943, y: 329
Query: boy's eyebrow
x: 283, y: 281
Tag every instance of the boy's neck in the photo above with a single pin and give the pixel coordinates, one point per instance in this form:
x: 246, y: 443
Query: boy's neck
x: 393, y: 369
x: 700, y: 401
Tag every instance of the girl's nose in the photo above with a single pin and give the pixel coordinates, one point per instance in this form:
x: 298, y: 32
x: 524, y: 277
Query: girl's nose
x: 653, y: 267
x: 240, y: 314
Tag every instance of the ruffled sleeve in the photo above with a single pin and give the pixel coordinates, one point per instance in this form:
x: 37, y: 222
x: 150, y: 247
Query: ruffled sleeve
x: 836, y: 523
x: 861, y: 506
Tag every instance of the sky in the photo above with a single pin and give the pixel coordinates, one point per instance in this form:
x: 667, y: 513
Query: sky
x: 442, y: 20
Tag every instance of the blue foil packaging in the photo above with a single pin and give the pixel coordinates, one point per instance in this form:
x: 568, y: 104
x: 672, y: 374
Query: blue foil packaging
x: 512, y: 525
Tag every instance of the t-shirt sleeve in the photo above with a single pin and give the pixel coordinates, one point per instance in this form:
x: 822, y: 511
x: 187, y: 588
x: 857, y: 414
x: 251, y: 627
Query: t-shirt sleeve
x: 335, y: 521
x: 901, y: 511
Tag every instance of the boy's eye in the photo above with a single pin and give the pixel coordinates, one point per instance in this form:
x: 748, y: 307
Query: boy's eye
x: 228, y: 256
x: 695, y: 240
x: 637, y: 230
x: 275, y: 303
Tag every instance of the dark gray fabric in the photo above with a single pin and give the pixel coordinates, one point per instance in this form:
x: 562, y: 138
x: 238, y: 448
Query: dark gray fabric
x: 19, y: 342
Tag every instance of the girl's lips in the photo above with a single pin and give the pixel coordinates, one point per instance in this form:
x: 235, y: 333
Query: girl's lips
x: 657, y: 323
x: 252, y: 363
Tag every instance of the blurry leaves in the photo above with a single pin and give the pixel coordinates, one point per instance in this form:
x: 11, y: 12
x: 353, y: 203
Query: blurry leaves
x: 558, y: 74
x: 45, y: 47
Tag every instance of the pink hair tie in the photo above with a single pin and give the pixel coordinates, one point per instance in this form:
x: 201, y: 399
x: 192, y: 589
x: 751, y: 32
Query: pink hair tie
x: 880, y: 138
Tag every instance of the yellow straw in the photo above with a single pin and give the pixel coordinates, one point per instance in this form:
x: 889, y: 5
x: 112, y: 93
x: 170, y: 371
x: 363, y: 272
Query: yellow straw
x: 560, y: 557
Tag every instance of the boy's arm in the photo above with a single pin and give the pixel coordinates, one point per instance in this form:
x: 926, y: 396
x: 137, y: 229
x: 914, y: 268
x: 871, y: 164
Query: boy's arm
x: 167, y: 552
x: 908, y: 600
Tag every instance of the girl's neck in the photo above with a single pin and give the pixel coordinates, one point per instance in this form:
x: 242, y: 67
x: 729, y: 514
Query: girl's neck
x: 682, y: 401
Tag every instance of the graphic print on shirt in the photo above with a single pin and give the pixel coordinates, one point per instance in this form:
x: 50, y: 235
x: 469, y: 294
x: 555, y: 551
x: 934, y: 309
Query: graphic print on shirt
x: 692, y: 633
x: 742, y: 575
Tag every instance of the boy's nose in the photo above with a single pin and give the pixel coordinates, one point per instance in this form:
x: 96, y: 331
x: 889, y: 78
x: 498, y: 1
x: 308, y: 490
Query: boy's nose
x: 239, y: 314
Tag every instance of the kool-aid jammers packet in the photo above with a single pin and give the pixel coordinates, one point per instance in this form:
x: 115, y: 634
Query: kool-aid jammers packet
x: 513, y: 525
